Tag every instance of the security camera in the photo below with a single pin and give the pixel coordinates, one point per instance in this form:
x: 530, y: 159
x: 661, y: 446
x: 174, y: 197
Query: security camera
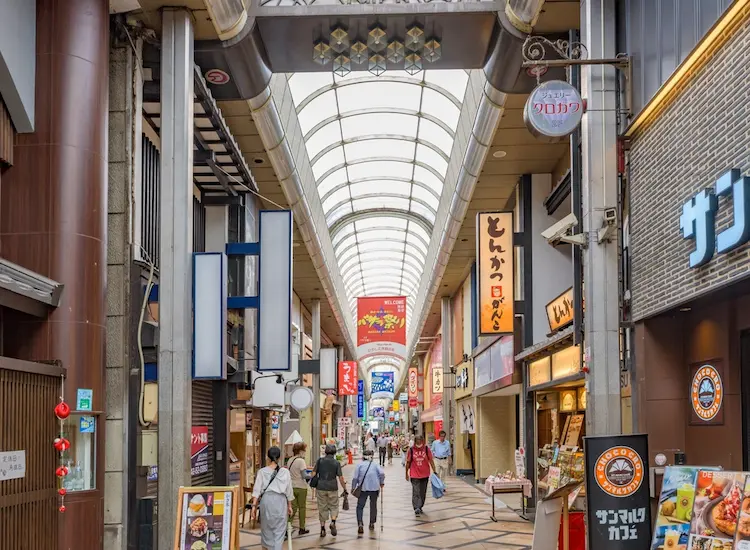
x: 560, y: 232
x: 610, y: 216
x: 609, y: 226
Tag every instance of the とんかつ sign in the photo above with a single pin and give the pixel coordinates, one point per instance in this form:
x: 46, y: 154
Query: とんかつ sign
x: 495, y: 272
x: 553, y: 110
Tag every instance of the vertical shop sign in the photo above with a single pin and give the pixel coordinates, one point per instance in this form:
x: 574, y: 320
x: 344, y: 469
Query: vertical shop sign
x: 617, y: 492
x: 413, y: 387
x: 199, y: 450
x: 495, y: 269
x: 348, y: 378
x: 360, y: 398
x: 381, y: 326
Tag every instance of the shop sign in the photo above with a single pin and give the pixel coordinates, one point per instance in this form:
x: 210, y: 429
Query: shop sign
x: 560, y: 311
x: 707, y: 394
x: 381, y: 326
x: 382, y: 384
x: 495, y: 273
x: 413, y: 383
x: 413, y: 402
x: 699, y: 213
x: 437, y: 380
x: 438, y: 424
x: 462, y: 378
x: 84, y: 399
x: 199, y: 450
x: 396, y: 406
x: 566, y: 362
x: 12, y: 465
x: 553, y: 110
x: 360, y: 398
x: 539, y: 372
x: 347, y: 378
x: 466, y: 416
x: 617, y: 492
x: 378, y: 412
x: 207, y: 518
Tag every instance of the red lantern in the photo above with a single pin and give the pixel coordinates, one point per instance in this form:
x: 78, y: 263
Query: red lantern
x: 62, y: 411
x: 62, y: 444
x: 62, y: 509
x: 62, y: 471
x: 62, y: 492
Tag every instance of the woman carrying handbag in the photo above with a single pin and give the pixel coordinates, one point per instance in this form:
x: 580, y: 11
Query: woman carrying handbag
x: 368, y: 481
x: 272, y: 501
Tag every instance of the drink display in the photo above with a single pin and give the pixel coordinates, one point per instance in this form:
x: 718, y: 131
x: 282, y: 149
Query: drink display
x: 684, y: 506
x: 671, y: 539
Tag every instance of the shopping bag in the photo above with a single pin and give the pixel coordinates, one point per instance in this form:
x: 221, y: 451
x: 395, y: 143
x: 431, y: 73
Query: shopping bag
x: 345, y: 504
x: 437, y: 486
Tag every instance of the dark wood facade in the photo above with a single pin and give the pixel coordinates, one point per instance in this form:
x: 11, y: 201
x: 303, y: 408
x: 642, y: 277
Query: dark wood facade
x: 53, y: 221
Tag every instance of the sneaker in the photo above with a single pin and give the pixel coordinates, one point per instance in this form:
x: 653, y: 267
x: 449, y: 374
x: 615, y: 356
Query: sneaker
x: 322, y: 531
x: 361, y: 529
x: 333, y: 529
x: 303, y: 532
x: 372, y: 527
x: 417, y: 512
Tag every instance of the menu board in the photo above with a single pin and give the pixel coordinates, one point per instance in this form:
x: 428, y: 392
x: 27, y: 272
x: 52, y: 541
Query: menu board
x: 574, y: 430
x: 717, y: 503
x: 207, y: 518
x: 675, y: 508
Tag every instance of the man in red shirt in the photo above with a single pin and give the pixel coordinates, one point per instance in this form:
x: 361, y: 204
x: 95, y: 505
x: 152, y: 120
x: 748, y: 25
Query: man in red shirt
x: 418, y: 463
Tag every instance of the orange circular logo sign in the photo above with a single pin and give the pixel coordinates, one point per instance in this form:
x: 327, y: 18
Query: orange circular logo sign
x: 619, y: 471
x: 707, y: 392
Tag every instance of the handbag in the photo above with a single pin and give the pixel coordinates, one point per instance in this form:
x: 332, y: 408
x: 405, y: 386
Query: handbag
x: 316, y: 478
x: 358, y: 489
x: 263, y: 492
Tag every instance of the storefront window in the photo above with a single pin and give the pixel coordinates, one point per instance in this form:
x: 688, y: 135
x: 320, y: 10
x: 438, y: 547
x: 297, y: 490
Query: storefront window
x: 539, y: 372
x: 566, y: 362
x: 80, y: 430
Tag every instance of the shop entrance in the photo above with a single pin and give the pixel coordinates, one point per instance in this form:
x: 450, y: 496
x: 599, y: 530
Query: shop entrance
x: 745, y: 397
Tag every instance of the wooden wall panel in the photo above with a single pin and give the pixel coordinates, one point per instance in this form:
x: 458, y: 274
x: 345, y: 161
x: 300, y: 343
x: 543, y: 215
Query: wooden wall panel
x: 7, y: 137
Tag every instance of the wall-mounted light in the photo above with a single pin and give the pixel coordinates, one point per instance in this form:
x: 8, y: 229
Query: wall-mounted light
x: 376, y: 39
x: 414, y: 38
x: 339, y: 39
x: 358, y: 52
x: 322, y: 53
x: 432, y: 50
x: 395, y: 51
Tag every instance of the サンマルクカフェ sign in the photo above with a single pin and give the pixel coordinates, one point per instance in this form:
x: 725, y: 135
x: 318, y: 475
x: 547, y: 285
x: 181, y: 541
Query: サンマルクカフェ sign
x: 617, y: 492
x: 698, y: 219
x: 560, y: 311
x: 495, y: 272
x: 706, y: 393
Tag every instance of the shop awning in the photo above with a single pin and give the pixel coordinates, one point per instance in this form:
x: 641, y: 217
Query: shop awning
x: 430, y: 414
x: 553, y: 343
x: 27, y: 291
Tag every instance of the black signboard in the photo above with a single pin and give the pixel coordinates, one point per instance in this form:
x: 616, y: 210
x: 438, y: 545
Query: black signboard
x: 617, y: 492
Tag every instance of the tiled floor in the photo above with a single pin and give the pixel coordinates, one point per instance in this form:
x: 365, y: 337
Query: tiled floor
x: 461, y: 519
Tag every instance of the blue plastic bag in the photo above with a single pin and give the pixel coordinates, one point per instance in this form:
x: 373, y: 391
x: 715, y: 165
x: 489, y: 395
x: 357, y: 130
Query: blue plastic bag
x: 437, y: 486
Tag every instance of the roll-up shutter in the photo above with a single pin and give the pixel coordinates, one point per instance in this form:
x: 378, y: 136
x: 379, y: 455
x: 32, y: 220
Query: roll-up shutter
x: 203, y: 415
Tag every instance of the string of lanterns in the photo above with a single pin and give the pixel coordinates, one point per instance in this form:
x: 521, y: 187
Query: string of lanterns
x: 62, y: 412
x: 377, y: 51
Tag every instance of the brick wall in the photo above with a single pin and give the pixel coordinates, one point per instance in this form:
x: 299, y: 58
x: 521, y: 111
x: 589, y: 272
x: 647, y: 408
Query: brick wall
x: 701, y: 134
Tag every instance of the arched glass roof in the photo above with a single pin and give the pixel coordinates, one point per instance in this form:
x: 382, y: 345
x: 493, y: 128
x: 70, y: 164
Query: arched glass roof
x: 379, y: 148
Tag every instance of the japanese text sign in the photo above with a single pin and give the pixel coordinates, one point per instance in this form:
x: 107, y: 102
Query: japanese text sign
x: 617, y: 492
x: 360, y: 398
x: 554, y: 110
x: 199, y: 450
x: 382, y: 384
x: 413, y: 383
x: 495, y: 272
x: 381, y: 326
x: 12, y: 465
x: 560, y: 311
x: 347, y: 378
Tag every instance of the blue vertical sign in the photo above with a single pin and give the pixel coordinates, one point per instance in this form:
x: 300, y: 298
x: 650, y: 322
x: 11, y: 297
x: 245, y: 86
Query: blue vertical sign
x: 360, y: 398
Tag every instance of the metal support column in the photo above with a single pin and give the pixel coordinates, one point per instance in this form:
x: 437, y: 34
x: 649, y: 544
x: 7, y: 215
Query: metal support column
x: 176, y: 246
x: 600, y: 261
x: 315, y: 451
x: 445, y: 313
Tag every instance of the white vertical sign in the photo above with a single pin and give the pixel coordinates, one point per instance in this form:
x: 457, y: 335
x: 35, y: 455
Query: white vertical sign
x: 209, y: 315
x: 275, y: 291
x: 328, y: 368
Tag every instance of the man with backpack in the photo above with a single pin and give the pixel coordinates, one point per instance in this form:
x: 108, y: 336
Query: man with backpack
x: 419, y: 461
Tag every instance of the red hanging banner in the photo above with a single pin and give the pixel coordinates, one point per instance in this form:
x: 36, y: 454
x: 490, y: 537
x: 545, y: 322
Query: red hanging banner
x: 381, y: 326
x: 348, y: 378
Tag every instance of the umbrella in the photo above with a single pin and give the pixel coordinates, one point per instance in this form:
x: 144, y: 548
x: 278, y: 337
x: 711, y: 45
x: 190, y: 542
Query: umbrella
x: 295, y: 437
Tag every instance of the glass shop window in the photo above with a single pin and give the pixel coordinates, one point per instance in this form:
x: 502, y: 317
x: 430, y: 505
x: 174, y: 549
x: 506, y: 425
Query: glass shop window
x: 80, y: 430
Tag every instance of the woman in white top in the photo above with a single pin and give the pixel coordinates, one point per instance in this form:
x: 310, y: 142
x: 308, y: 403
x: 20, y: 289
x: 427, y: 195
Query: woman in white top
x: 273, y: 496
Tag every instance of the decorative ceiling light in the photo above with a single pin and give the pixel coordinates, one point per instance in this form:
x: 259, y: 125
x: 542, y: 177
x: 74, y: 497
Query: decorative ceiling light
x: 376, y: 39
x: 359, y: 52
x: 322, y: 53
x: 377, y: 64
x: 342, y: 65
x: 413, y: 63
x: 395, y: 52
x: 339, y: 39
x: 432, y: 50
x: 414, y: 38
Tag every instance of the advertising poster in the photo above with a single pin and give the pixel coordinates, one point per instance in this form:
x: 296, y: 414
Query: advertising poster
x: 360, y: 398
x: 348, y: 378
x: 675, y: 508
x: 617, y: 492
x: 381, y: 326
x: 199, y: 450
x: 495, y: 272
x: 742, y: 540
x: 206, y: 519
x: 378, y: 412
x: 716, y: 508
x: 382, y: 384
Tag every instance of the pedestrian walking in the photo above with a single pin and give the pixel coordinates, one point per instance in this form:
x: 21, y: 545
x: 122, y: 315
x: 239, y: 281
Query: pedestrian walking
x: 441, y: 450
x: 272, y: 501
x: 328, y: 471
x: 367, y: 483
x: 382, y: 446
x: 391, y: 443
x: 418, y: 463
x: 297, y: 469
x: 370, y: 443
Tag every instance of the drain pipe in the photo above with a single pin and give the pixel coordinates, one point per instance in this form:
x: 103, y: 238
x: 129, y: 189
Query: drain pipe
x: 272, y: 133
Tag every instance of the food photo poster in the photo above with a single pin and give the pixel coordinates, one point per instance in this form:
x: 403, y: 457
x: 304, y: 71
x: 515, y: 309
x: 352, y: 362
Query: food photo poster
x: 742, y: 539
x: 675, y: 508
x: 716, y: 508
x: 207, y: 518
